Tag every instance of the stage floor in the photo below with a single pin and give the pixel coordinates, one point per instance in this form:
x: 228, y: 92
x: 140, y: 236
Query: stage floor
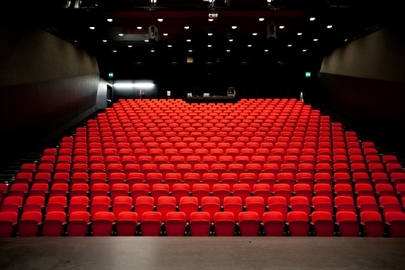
x: 202, y: 253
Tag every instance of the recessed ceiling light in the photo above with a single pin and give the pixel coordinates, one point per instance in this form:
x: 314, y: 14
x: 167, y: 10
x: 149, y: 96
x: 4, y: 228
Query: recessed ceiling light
x: 266, y: 50
x: 304, y: 50
x: 210, y: 19
x: 261, y: 19
x: 315, y: 39
x: 209, y: 45
x: 188, y: 40
x: 255, y: 34
x: 190, y: 50
x: 160, y: 20
x: 169, y: 45
x: 146, y: 40
x: 92, y: 27
x: 231, y: 39
x: 228, y: 50
x: 281, y: 26
x: 139, y: 27
x: 329, y: 26
x: 165, y: 34
x: 210, y: 34
x: 234, y: 27
x: 186, y: 27
x: 345, y: 40
x: 121, y: 34
x: 129, y: 46
x: 299, y: 34
x: 249, y: 45
x: 104, y: 40
x: 109, y: 20
x: 152, y: 50
x: 289, y: 45
x: 312, y: 19
x: 114, y: 51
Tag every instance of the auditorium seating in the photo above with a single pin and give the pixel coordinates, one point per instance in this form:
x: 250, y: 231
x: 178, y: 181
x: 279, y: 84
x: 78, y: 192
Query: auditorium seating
x: 268, y: 167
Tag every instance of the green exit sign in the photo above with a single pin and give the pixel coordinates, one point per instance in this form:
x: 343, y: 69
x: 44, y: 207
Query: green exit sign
x: 110, y: 75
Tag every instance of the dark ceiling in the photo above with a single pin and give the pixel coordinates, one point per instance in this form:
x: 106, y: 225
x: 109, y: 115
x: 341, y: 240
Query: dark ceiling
x: 85, y: 24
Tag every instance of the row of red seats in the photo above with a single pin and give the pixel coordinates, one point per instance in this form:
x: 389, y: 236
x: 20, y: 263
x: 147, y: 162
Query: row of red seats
x: 298, y: 224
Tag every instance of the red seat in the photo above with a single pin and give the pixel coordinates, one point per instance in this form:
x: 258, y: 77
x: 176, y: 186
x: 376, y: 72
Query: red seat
x: 211, y: 205
x: 241, y: 190
x: 224, y: 223
x: 151, y: 223
x: 372, y: 224
x: 200, y: 224
x: 278, y: 204
x: 396, y: 223
x: 347, y: 223
x: 273, y: 223
x: 298, y: 223
x: 29, y: 224
x: 175, y: 223
x: 144, y: 204
x: 8, y: 223
x: 345, y: 203
x: 102, y: 223
x: 249, y: 223
x: 256, y: 204
x: 323, y: 223
x: 322, y: 203
x: 300, y: 203
x: 188, y: 205
x: 166, y: 204
x: 126, y: 223
x: 233, y: 204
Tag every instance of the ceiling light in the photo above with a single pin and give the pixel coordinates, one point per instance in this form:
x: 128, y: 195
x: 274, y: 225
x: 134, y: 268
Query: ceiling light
x: 228, y: 50
x: 129, y: 46
x: 210, y: 34
x: 209, y: 45
x: 345, y: 40
x: 289, y: 45
x: 152, y: 50
x: 109, y: 20
x: 312, y: 19
x: 104, y: 40
x: 121, y: 34
x: 249, y: 45
x: 231, y: 39
x: 315, y: 39
x: 299, y: 34
x: 304, y: 50
x: 146, y: 40
x: 188, y: 40
x: 139, y: 27
x: 92, y: 27
x: 281, y: 26
x: 114, y: 51
x: 210, y: 19
x: 329, y: 26
x: 160, y: 20
x: 255, y: 34
x: 261, y: 19
x: 169, y: 45
x: 165, y: 34
x: 234, y: 27
x: 186, y: 27
x: 266, y: 50
x: 190, y: 50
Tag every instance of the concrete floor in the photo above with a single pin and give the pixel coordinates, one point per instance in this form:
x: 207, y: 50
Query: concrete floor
x: 202, y: 253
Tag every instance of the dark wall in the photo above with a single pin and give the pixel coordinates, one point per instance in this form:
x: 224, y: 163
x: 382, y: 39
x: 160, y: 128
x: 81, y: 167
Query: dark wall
x: 364, y: 81
x: 45, y: 83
